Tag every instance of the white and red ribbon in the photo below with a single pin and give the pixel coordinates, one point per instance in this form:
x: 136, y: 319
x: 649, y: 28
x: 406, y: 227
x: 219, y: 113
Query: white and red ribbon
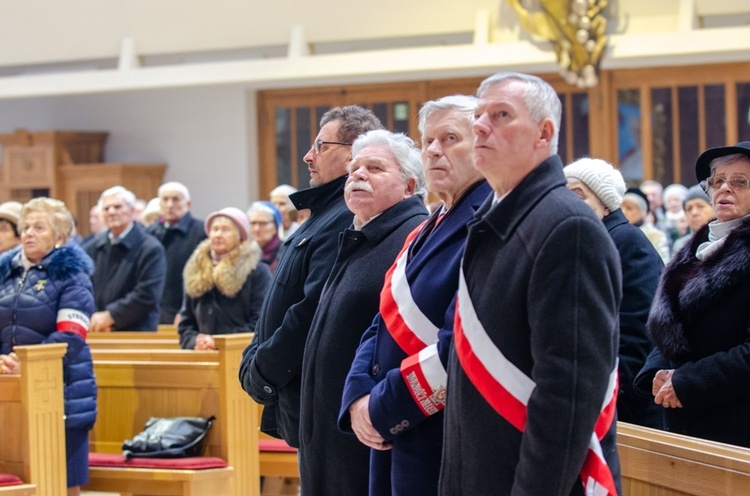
x: 73, y: 321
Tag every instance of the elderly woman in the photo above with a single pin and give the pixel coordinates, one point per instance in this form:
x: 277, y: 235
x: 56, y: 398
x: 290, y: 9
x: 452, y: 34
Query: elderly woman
x: 225, y: 282
x: 46, y: 297
x: 701, y: 313
x: 265, y: 225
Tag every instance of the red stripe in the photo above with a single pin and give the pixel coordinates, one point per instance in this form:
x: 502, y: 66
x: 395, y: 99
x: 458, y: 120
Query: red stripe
x: 72, y: 327
x: 411, y: 371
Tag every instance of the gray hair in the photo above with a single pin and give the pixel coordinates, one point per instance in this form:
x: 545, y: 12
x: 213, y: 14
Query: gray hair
x: 174, y: 186
x: 355, y: 120
x: 126, y: 195
x: 541, y: 99
x: 681, y: 190
x: 728, y: 159
x: 403, y: 149
x: 283, y: 189
x: 464, y: 104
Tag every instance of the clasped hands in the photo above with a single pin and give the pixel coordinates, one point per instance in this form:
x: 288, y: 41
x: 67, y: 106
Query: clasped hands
x: 359, y: 412
x: 10, y: 364
x: 663, y: 391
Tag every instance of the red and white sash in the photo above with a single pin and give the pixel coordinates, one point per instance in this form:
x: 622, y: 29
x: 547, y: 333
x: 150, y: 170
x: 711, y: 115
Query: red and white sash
x: 507, y: 389
x: 416, y: 335
x: 73, y: 321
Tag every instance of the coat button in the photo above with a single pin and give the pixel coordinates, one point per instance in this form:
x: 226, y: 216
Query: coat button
x: 375, y: 369
x: 268, y: 389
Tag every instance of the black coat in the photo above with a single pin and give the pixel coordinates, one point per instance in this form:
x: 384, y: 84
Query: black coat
x: 225, y: 298
x: 700, y: 322
x: 271, y: 366
x: 545, y: 281
x: 179, y: 241
x: 641, y: 268
x: 129, y: 278
x: 332, y: 462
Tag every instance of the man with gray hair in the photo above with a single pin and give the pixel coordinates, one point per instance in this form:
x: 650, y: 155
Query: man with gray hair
x: 129, y: 269
x: 387, y: 400
x: 385, y: 192
x: 180, y: 233
x: 532, y: 375
x: 271, y: 366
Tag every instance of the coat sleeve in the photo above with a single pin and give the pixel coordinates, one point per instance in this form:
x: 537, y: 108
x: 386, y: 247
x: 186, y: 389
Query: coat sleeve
x: 151, y: 271
x: 260, y: 283
x: 75, y: 302
x: 358, y: 381
x: 188, y: 326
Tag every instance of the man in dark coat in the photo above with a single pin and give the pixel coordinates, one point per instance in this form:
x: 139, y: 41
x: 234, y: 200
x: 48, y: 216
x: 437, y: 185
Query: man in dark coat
x: 601, y: 187
x: 271, y: 364
x: 530, y: 405
x: 129, y: 269
x: 392, y: 412
x: 385, y: 191
x: 179, y: 232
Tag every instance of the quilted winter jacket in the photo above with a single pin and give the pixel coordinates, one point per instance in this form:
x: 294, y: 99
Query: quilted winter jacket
x: 29, y: 305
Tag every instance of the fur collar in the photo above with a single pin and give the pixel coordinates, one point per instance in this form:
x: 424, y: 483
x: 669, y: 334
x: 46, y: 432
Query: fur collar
x: 60, y: 263
x: 228, y: 276
x: 690, y: 287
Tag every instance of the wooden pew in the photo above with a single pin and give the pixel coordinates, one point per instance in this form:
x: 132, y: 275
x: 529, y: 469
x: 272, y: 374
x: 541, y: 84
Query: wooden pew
x: 130, y: 343
x: 32, y: 420
x: 664, y: 464
x: 136, y: 384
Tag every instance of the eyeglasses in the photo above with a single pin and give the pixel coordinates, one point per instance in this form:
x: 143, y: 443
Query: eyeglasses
x: 261, y: 223
x: 318, y: 143
x: 734, y: 182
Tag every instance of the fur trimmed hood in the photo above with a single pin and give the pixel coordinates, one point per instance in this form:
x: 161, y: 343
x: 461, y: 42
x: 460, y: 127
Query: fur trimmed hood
x: 60, y: 263
x: 228, y: 276
x: 690, y: 288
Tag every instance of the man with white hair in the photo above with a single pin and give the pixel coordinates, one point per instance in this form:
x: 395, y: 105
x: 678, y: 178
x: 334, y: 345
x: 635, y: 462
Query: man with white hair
x: 129, y: 269
x: 602, y: 187
x: 385, y: 192
x: 180, y: 233
x: 387, y: 401
x: 532, y: 375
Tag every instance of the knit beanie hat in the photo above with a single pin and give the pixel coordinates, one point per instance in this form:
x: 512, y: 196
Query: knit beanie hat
x: 236, y: 215
x: 695, y: 192
x: 601, y: 177
x: 638, y: 197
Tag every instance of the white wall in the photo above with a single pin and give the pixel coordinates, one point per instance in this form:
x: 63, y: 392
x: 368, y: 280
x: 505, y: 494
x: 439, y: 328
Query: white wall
x: 206, y: 135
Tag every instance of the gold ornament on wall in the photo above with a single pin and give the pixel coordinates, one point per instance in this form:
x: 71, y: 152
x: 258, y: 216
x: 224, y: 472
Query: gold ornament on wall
x: 575, y: 28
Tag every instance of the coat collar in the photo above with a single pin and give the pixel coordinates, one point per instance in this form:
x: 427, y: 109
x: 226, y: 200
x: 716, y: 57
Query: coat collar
x: 60, y: 263
x: 317, y: 199
x: 614, y: 219
x: 132, y: 240
x: 384, y: 224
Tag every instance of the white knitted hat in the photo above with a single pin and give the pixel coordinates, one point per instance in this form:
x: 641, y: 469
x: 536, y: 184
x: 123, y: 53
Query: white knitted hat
x: 601, y: 177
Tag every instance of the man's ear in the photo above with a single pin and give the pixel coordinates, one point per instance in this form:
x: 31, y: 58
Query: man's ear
x: 411, y: 187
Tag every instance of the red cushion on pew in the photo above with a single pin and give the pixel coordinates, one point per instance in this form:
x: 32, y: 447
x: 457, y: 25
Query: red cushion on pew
x: 189, y: 463
x: 275, y: 445
x: 9, y: 480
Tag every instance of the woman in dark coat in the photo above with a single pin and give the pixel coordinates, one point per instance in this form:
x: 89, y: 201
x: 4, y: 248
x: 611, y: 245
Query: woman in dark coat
x: 225, y: 283
x: 46, y: 297
x: 700, y: 319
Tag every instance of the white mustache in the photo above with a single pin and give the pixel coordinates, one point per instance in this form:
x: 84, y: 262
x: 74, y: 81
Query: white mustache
x: 358, y: 185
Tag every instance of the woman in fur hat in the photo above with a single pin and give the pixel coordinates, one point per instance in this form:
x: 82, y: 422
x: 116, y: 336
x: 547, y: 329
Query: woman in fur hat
x: 225, y: 283
x: 700, y: 317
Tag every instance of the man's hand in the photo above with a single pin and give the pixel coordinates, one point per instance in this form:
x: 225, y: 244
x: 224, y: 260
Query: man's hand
x: 204, y: 342
x: 101, y: 322
x: 10, y: 364
x: 359, y: 412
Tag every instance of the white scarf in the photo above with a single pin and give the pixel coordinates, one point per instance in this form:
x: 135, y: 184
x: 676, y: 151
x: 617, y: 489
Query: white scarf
x: 717, y: 235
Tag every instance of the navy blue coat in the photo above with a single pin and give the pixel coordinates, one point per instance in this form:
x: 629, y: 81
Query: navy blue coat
x: 129, y: 278
x: 271, y: 365
x: 641, y: 267
x: 413, y: 465
x: 179, y: 242
x: 29, y: 305
x: 700, y: 322
x: 544, y: 278
x: 332, y: 462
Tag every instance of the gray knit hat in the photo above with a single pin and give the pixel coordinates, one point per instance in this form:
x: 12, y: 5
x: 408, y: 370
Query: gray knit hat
x: 695, y: 192
x: 601, y: 177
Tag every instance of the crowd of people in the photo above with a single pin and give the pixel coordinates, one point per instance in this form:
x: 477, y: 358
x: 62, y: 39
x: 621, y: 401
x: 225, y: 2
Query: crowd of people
x: 406, y: 351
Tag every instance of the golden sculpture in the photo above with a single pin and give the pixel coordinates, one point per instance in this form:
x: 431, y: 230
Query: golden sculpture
x: 576, y: 30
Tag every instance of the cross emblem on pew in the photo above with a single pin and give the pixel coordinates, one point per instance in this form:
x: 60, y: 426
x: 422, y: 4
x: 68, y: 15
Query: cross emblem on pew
x: 45, y: 385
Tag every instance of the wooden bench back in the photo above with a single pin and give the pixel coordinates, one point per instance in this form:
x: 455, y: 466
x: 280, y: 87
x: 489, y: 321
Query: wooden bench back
x: 32, y: 419
x: 136, y: 384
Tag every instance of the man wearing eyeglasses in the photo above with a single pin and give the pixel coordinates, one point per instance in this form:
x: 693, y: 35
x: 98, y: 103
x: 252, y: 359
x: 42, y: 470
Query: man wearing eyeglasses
x: 271, y: 366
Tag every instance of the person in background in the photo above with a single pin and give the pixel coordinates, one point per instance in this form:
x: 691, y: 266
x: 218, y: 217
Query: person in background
x: 532, y: 376
x: 385, y: 192
x: 699, y: 370
x: 10, y: 214
x: 225, y: 282
x: 138, y: 207
x: 385, y: 401
x: 152, y: 212
x: 265, y: 223
x: 96, y: 225
x: 280, y: 199
x: 129, y: 269
x: 46, y: 297
x: 601, y: 187
x: 179, y: 232
x: 271, y: 366
x: 698, y: 211
x: 675, y: 222
x: 654, y: 192
x: 635, y: 208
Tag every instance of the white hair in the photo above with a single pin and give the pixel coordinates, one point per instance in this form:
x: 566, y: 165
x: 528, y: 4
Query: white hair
x: 125, y: 194
x: 464, y: 104
x: 174, y: 186
x: 283, y: 189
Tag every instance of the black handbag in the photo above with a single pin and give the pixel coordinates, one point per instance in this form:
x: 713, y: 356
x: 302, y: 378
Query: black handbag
x: 174, y: 437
